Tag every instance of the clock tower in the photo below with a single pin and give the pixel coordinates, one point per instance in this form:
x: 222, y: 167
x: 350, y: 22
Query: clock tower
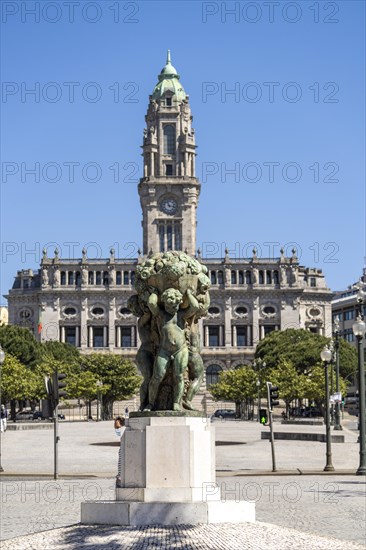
x: 169, y: 190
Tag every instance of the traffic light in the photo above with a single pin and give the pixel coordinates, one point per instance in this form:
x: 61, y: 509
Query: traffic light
x: 273, y: 396
x: 58, y: 385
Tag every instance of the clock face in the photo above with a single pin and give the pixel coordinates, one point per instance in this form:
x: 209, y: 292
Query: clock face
x: 169, y: 206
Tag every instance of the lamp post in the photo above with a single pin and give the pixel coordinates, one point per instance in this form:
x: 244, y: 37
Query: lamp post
x: 326, y: 357
x: 258, y: 364
x: 337, y: 422
x: 2, y: 359
x: 359, y: 330
x: 331, y: 347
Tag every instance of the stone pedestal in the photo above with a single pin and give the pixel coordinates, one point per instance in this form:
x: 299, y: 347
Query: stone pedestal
x: 168, y: 476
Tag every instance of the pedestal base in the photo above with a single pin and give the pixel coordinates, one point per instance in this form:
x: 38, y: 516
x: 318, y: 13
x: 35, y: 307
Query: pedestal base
x: 167, y: 474
x: 165, y: 513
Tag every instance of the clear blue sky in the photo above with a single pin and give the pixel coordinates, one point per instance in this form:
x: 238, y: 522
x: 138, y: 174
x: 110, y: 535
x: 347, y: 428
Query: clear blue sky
x: 324, y: 129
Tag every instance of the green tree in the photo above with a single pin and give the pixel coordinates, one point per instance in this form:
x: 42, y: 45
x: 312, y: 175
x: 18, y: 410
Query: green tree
x: 302, y: 348
x: 237, y: 385
x: 20, y: 343
x: 291, y: 384
x: 59, y: 351
x: 17, y: 381
x: 119, y: 377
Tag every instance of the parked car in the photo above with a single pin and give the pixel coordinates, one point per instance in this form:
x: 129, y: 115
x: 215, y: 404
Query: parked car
x: 24, y: 415
x: 224, y: 413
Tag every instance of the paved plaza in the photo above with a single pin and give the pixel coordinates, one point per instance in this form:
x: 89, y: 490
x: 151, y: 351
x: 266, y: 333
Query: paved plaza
x: 323, y: 509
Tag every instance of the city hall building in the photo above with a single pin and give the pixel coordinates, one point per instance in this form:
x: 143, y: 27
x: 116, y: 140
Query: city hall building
x: 84, y: 301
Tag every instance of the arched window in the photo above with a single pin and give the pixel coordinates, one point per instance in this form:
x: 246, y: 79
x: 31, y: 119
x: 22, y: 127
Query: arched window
x: 241, y: 277
x: 275, y: 277
x: 71, y: 278
x: 261, y: 278
x: 248, y: 277
x: 126, y: 278
x: 132, y: 277
x: 269, y: 277
x: 169, y: 139
x: 98, y: 278
x: 213, y: 278
x: 118, y: 278
x: 63, y: 277
x: 233, y: 277
x: 177, y: 235
x: 77, y: 278
x: 105, y: 277
x: 212, y: 375
x: 220, y: 277
x: 91, y: 277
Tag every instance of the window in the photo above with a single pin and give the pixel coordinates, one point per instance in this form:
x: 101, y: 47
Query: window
x: 314, y: 330
x: 213, y: 310
x: 70, y: 336
x: 349, y: 315
x: 269, y: 277
x: 220, y: 277
x: 348, y: 335
x: 98, y: 278
x: 169, y: 234
x: 241, y: 310
x: 132, y: 277
x: 118, y: 278
x: 126, y: 337
x: 248, y: 277
x: 105, y: 278
x: 261, y: 278
x: 71, y: 278
x: 91, y: 277
x: 213, y: 336
x: 98, y: 337
x: 213, y: 278
x: 169, y: 139
x: 63, y: 278
x: 77, y: 278
x: 269, y: 310
x: 241, y: 277
x: 125, y: 311
x: 268, y: 329
x: 233, y: 277
x: 168, y: 101
x: 168, y: 169
x: 313, y: 281
x: 212, y: 374
x: 177, y: 239
x: 97, y: 311
x: 275, y: 278
x: 126, y: 278
x: 70, y: 311
x: 161, y: 238
x: 241, y: 336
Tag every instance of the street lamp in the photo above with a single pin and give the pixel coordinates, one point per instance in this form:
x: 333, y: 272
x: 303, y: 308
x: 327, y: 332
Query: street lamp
x: 331, y: 347
x: 326, y: 357
x: 2, y: 359
x: 359, y: 330
x: 258, y: 364
x: 337, y: 423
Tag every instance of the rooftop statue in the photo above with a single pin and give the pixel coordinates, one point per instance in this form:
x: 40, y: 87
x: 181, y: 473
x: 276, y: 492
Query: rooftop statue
x: 172, y: 294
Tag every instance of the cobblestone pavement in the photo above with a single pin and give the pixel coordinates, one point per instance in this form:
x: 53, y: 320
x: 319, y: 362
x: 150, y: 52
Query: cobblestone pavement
x: 253, y: 536
x: 331, y: 506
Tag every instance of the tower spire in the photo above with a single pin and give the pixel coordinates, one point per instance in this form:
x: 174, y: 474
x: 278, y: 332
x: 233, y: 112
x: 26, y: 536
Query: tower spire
x: 168, y: 60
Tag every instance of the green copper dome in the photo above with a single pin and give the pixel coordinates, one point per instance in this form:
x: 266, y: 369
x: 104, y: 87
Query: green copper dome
x: 169, y: 81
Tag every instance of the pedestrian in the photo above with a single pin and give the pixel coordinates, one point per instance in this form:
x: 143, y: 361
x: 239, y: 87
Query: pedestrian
x: 119, y: 427
x: 127, y: 413
x: 4, y: 418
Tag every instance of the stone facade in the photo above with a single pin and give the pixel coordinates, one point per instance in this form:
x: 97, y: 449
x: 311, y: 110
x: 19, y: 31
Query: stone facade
x: 84, y: 301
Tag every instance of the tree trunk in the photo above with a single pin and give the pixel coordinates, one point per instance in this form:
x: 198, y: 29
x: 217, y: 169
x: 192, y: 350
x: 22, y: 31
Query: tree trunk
x: 13, y: 409
x: 107, y: 409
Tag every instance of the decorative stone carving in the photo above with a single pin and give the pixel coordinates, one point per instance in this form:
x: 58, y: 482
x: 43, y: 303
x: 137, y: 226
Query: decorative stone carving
x: 172, y: 295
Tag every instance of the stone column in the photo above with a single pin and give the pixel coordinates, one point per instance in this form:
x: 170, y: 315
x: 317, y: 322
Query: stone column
x: 77, y: 336
x: 234, y: 336
x: 105, y: 337
x: 90, y: 339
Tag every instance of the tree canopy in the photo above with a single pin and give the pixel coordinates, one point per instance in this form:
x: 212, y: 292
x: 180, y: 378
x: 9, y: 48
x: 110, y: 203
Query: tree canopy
x: 302, y: 348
